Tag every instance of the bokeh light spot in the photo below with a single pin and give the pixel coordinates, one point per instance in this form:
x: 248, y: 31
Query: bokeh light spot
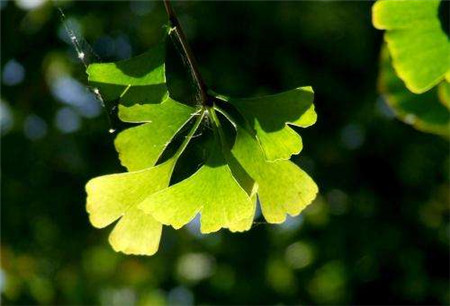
x: 13, y: 73
x: 34, y: 127
x: 67, y: 120
x: 180, y: 296
x: 71, y: 92
x: 352, y: 136
x: 29, y: 4
x: 299, y: 255
x: 195, y: 266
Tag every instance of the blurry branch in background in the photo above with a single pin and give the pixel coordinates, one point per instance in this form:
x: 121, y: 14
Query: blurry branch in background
x: 193, y: 66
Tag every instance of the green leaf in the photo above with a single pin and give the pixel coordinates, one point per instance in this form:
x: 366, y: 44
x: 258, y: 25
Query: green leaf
x: 427, y: 112
x: 136, y: 233
x: 212, y: 191
x: 444, y: 94
x: 140, y: 147
x: 419, y: 46
x: 283, y: 188
x: 269, y: 117
x: 145, y: 72
x: 139, y: 84
x: 115, y: 196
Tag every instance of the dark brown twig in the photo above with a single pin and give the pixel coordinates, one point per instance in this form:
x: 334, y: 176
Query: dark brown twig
x: 178, y: 30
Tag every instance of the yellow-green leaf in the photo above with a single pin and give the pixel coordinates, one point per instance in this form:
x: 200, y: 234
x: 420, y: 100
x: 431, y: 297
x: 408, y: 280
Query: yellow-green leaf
x: 419, y: 47
x: 269, y: 116
x: 283, y: 188
x: 212, y: 191
x: 115, y: 196
x: 140, y: 147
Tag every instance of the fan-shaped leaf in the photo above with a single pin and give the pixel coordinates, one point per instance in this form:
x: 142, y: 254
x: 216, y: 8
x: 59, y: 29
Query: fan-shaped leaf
x: 145, y: 73
x: 140, y: 147
x: 427, y: 112
x: 269, y: 117
x: 212, y: 191
x: 415, y: 37
x: 283, y: 188
x: 111, y: 197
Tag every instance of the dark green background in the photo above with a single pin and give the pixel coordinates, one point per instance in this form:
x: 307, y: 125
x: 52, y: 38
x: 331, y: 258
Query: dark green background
x: 378, y: 233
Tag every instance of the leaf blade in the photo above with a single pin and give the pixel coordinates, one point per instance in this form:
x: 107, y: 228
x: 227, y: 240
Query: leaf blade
x: 419, y: 47
x: 270, y: 115
x: 212, y: 191
x: 283, y: 188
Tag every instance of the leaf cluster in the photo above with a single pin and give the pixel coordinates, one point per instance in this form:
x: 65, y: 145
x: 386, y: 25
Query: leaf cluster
x: 245, y: 143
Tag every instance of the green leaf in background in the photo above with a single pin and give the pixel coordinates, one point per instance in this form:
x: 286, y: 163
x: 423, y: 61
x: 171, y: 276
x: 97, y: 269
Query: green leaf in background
x: 428, y: 112
x: 417, y: 40
x: 444, y: 94
x: 251, y: 164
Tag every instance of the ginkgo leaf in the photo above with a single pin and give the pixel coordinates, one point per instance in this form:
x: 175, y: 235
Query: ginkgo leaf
x: 136, y: 233
x: 283, y: 188
x: 427, y: 112
x: 115, y: 196
x: 419, y: 46
x: 269, y: 116
x: 140, y: 147
x: 212, y: 191
x: 139, y: 86
x: 144, y: 73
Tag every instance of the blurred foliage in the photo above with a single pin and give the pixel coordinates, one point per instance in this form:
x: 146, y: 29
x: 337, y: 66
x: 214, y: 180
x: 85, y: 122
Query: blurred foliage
x: 428, y: 112
x: 377, y: 234
x: 415, y: 61
x: 417, y: 36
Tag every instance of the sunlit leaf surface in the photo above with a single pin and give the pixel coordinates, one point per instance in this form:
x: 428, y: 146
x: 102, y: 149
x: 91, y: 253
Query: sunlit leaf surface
x: 427, y: 112
x: 269, y: 116
x: 212, y: 191
x: 418, y: 39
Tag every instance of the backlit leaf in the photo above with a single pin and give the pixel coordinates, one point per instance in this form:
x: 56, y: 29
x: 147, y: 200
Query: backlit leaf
x: 269, y: 117
x: 145, y: 72
x: 212, y: 191
x: 417, y: 42
x: 427, y: 112
x: 115, y: 196
x: 140, y: 147
x: 283, y: 188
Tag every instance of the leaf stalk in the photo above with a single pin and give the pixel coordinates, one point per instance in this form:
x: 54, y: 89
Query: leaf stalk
x: 218, y: 128
x: 190, y: 134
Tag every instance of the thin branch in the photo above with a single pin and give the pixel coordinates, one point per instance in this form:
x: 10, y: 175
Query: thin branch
x: 178, y: 30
